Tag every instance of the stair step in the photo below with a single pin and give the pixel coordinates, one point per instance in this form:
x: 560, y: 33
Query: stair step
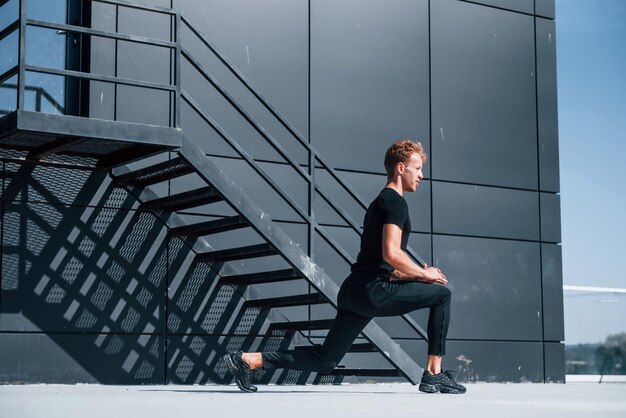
x: 156, y: 173
x: 262, y: 277
x: 304, y: 325
x: 285, y: 301
x: 183, y: 200
x: 354, y: 348
x: 210, y: 227
x: 128, y: 155
x: 366, y: 372
x: 240, y: 253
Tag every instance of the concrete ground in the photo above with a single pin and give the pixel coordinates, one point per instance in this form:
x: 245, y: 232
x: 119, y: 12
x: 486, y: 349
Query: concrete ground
x: 380, y: 400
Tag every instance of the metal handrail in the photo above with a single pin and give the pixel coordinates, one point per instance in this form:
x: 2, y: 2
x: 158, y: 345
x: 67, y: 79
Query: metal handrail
x: 100, y: 77
x: 283, y: 194
x: 353, y: 225
x: 101, y: 33
x: 23, y: 67
x: 269, y: 139
x: 255, y: 166
x: 259, y: 170
x: 138, y: 6
x: 249, y: 118
x: 290, y: 128
x: 197, y: 108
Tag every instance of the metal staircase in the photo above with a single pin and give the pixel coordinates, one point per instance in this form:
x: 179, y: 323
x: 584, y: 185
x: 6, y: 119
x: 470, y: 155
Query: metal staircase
x: 113, y: 144
x: 220, y: 188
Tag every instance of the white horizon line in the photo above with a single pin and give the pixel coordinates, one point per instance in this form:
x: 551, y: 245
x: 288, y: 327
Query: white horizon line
x: 594, y: 289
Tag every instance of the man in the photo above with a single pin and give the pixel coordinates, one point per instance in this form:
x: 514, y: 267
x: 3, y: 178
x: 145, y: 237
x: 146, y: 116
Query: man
x: 384, y: 281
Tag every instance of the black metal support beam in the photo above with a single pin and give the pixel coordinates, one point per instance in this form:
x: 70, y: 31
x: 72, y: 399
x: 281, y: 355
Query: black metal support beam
x: 101, y: 33
x: 100, y: 77
x: 177, y: 70
x: 21, y: 57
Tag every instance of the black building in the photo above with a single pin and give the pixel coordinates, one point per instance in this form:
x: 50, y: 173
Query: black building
x: 185, y: 178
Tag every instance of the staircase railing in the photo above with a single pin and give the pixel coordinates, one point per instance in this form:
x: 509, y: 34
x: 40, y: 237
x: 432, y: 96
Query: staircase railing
x: 22, y: 67
x: 282, y: 152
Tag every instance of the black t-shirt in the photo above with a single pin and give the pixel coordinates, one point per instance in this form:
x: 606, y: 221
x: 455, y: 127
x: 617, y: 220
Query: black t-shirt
x: 388, y: 208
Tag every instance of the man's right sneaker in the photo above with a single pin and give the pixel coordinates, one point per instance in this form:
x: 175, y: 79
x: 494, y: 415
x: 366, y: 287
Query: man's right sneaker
x: 240, y: 370
x: 441, y: 382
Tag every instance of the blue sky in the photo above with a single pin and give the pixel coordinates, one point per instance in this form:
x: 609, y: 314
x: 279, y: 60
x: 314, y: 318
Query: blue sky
x: 591, y: 71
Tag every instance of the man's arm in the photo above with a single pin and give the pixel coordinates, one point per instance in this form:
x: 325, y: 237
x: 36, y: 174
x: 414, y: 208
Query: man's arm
x: 405, y: 268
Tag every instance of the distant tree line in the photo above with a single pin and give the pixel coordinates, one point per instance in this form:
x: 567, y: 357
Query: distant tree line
x: 604, y: 358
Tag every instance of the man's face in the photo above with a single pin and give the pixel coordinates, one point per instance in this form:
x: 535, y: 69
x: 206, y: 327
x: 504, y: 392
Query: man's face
x: 412, y: 173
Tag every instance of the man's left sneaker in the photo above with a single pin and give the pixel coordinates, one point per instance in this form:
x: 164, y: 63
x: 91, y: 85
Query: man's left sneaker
x: 442, y: 382
x: 240, y: 370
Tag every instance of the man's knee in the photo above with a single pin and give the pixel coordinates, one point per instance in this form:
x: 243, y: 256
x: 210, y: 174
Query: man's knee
x: 446, y: 293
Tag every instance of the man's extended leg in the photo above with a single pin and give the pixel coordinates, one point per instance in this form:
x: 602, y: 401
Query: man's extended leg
x: 344, y: 331
x: 341, y: 335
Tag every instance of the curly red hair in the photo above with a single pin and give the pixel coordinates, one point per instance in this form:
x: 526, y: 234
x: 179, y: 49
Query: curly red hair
x: 400, y: 152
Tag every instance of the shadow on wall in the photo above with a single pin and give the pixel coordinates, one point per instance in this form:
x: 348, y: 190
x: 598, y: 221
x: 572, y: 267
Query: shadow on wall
x: 84, y: 267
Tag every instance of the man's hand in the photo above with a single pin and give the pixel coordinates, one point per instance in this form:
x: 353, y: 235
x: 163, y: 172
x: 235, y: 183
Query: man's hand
x: 404, y: 267
x: 430, y: 275
x: 434, y: 275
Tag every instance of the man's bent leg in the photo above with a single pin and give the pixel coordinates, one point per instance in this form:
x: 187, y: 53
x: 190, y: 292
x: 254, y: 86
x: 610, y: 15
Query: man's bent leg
x: 402, y: 297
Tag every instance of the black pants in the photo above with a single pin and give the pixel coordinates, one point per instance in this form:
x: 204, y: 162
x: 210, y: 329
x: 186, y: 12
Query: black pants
x: 363, y: 296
